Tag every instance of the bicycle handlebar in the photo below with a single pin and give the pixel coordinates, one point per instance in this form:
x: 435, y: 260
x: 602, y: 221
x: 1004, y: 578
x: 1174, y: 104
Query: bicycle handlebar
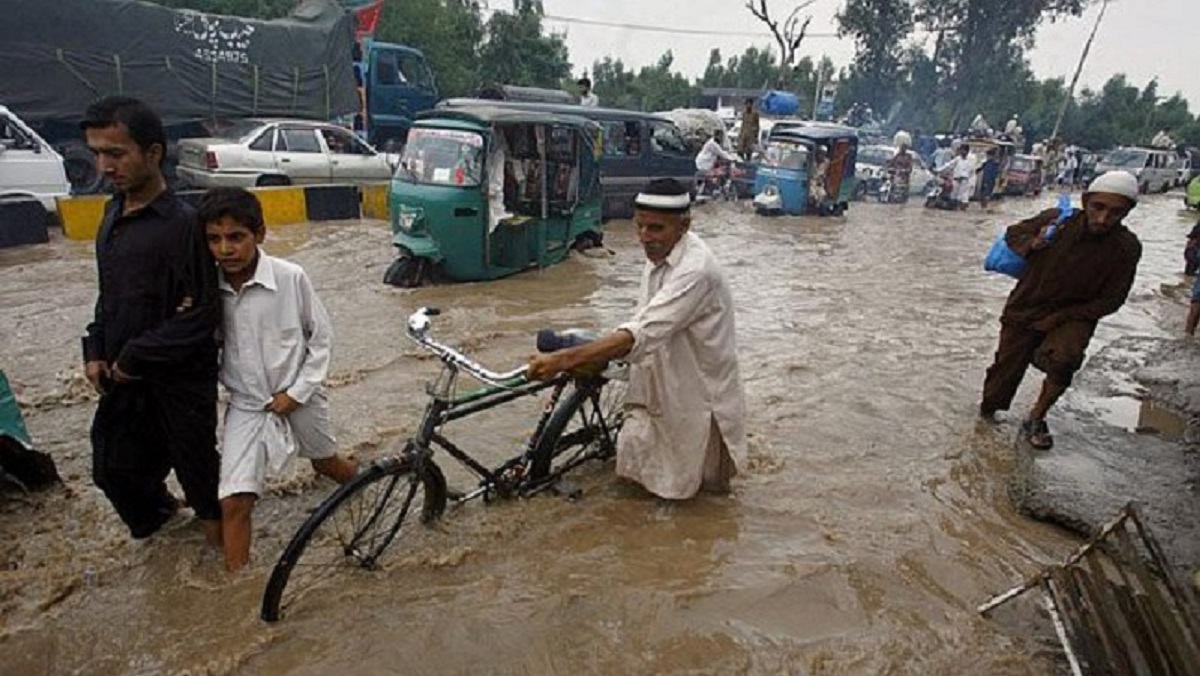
x: 419, y: 325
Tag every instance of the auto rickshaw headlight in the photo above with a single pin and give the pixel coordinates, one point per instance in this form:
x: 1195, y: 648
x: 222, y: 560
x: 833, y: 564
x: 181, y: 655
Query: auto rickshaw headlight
x: 409, y: 218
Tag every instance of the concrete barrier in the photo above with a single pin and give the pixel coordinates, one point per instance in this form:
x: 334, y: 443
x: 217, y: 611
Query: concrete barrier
x: 22, y: 221
x: 283, y: 205
x: 332, y: 202
x: 375, y: 201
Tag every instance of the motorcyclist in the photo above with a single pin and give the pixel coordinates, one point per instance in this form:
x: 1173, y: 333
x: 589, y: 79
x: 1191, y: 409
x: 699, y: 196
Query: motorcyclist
x: 961, y: 171
x: 901, y: 167
x: 713, y: 158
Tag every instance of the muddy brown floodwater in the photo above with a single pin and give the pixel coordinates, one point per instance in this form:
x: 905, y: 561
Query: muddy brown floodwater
x: 868, y: 525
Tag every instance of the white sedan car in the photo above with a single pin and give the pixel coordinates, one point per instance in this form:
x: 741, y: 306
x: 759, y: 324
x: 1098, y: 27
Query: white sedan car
x: 871, y: 168
x: 257, y: 152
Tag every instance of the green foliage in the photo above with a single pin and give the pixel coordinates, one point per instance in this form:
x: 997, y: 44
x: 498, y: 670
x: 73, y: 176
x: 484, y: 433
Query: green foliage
x: 879, y: 28
x: 448, y: 32
x: 974, y: 63
x: 516, y: 51
x: 654, y: 87
x: 755, y: 69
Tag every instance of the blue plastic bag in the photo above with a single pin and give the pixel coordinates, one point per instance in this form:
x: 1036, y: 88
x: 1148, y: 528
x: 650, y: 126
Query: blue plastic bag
x: 1001, y: 258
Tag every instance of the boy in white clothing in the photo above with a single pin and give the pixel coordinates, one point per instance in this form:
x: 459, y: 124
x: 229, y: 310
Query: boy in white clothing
x: 275, y: 356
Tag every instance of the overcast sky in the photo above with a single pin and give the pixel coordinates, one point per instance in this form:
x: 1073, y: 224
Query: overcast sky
x: 1141, y: 38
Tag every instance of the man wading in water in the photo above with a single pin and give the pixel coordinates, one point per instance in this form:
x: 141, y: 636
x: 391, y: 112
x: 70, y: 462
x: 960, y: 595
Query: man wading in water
x: 1071, y: 281
x: 683, y: 430
x: 151, y: 350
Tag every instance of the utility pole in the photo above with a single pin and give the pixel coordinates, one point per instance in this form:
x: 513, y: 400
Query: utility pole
x: 1087, y: 47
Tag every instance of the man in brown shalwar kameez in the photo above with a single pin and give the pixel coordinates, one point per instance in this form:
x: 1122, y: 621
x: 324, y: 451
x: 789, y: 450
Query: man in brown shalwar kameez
x: 1072, y: 280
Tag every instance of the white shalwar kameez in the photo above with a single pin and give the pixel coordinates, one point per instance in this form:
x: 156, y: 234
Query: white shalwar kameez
x: 277, y: 338
x: 684, y: 385
x: 962, y: 170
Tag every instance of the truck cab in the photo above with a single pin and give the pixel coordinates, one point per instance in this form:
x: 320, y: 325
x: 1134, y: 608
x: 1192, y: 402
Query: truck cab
x: 28, y: 165
x: 398, y: 85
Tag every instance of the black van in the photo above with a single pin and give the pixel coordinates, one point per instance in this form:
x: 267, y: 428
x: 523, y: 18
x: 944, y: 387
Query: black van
x: 638, y: 147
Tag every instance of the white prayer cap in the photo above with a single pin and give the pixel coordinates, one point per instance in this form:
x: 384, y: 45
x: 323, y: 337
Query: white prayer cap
x: 1117, y: 183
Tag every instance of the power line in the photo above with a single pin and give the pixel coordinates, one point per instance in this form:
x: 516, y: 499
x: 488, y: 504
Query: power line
x: 675, y: 31
x: 662, y: 29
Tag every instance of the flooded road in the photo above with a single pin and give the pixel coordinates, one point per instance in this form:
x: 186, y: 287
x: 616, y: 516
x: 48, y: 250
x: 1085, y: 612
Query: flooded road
x: 870, y: 523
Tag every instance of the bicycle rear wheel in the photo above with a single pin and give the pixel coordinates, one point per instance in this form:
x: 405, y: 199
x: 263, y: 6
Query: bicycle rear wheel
x: 354, y: 526
x: 583, y: 427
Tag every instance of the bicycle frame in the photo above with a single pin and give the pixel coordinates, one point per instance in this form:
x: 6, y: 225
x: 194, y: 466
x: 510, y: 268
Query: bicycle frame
x: 446, y: 406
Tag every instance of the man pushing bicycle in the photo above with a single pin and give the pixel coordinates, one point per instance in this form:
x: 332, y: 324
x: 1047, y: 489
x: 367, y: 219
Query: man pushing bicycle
x: 684, y: 429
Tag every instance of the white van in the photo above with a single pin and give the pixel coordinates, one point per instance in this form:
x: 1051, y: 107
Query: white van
x: 1154, y: 168
x: 28, y: 165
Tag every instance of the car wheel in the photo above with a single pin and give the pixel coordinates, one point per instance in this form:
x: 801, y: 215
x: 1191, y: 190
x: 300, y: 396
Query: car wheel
x: 82, y: 174
x: 272, y: 181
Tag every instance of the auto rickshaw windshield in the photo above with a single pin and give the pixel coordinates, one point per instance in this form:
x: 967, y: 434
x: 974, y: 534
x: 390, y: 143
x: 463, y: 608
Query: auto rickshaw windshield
x: 784, y: 155
x: 449, y: 157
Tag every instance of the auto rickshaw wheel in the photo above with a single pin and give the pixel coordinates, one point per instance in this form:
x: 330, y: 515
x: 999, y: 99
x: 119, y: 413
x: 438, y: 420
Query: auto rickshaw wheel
x: 589, y: 239
x: 406, y: 272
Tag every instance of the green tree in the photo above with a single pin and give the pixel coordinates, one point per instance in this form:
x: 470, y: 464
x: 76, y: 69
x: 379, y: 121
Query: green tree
x: 614, y: 84
x: 448, y: 32
x: 662, y: 89
x: 655, y: 87
x: 517, y: 52
x: 980, y: 42
x: 879, y: 29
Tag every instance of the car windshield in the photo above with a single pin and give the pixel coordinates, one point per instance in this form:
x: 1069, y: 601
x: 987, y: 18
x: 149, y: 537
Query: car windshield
x: 875, y: 155
x: 239, y: 131
x: 442, y: 157
x: 1022, y: 163
x: 1126, y: 158
x: 786, y: 155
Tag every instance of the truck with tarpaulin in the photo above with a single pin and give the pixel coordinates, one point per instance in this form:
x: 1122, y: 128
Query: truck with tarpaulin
x: 201, y: 71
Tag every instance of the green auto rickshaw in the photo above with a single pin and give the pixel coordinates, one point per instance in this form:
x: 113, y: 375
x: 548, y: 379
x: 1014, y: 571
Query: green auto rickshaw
x: 1192, y: 198
x: 482, y: 192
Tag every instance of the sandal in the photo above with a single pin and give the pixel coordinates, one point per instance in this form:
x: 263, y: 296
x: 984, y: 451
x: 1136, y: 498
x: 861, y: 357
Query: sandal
x: 1037, y: 433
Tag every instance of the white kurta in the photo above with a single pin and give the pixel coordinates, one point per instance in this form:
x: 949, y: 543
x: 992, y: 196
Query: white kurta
x: 277, y: 337
x: 962, y: 170
x: 712, y: 152
x: 683, y: 375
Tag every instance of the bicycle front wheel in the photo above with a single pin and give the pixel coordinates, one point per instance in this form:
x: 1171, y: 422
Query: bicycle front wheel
x: 354, y: 526
x: 583, y: 427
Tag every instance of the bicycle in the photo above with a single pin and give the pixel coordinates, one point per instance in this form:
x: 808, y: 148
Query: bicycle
x: 357, y: 524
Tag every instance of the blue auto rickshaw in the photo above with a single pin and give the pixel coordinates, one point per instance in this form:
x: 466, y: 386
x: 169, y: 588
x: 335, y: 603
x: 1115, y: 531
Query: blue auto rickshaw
x: 483, y: 192
x: 792, y: 156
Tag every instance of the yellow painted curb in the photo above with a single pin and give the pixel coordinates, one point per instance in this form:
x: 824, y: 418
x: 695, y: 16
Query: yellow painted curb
x: 375, y: 200
x: 282, y: 205
x: 81, y: 216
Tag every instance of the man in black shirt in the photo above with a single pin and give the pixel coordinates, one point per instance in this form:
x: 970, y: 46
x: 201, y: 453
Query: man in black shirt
x: 151, y: 350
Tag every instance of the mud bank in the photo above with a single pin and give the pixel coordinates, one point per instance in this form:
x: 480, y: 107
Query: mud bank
x: 1125, y: 432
